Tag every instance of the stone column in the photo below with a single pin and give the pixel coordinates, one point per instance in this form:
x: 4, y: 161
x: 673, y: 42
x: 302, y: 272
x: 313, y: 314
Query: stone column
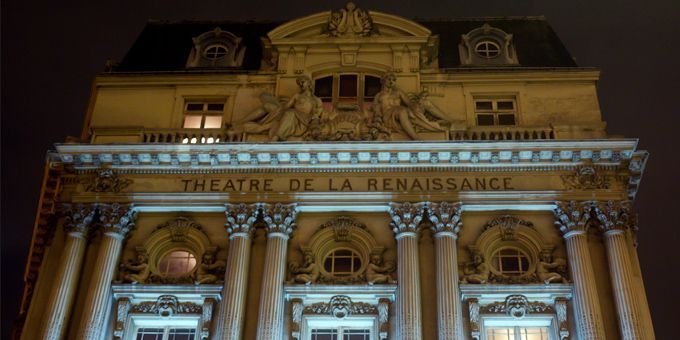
x: 116, y: 221
x: 615, y: 219
x: 572, y: 218
x: 56, y: 315
x: 405, y: 220
x: 446, y: 222
x: 240, y: 219
x: 280, y: 220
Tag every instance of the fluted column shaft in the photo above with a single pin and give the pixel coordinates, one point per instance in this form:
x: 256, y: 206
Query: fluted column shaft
x: 58, y: 310
x: 99, y: 290
x: 232, y: 311
x: 449, y: 310
x: 270, y: 322
x: 621, y: 275
x: 409, y: 319
x: 586, y: 303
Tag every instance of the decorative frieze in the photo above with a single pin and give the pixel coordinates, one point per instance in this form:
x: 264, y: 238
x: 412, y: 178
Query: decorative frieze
x: 166, y: 305
x: 517, y: 306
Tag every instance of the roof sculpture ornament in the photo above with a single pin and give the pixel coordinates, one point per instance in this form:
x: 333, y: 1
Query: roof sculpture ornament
x: 350, y: 21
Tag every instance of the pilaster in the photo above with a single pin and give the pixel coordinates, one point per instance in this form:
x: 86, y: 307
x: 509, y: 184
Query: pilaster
x: 406, y: 218
x: 239, y: 226
x: 280, y: 223
x: 77, y: 220
x: 446, y: 223
x: 116, y: 221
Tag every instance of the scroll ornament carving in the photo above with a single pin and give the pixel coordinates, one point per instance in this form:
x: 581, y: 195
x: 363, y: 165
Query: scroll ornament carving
x: 342, y: 226
x: 240, y: 218
x: 350, y: 21
x: 507, y: 225
x: 179, y: 228
x: 122, y: 309
x: 280, y: 218
x: 561, y: 313
x: 384, y: 317
x: 206, y: 317
x: 340, y: 306
x: 77, y: 217
x: 297, y: 308
x: 586, y: 178
x: 445, y: 217
x: 106, y: 180
x: 517, y: 306
x: 406, y: 217
x: 117, y: 219
x: 473, y: 311
x: 167, y: 305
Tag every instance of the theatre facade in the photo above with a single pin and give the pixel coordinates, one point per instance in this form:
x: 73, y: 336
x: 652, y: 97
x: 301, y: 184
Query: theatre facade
x: 349, y: 174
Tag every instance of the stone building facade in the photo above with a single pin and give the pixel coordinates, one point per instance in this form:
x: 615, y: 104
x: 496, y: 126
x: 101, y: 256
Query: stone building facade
x: 349, y: 174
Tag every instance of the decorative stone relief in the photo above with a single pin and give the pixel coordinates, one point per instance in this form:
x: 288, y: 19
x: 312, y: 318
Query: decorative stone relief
x: 445, y: 217
x: 342, y: 227
x: 384, y: 317
x: 585, y: 178
x: 136, y: 271
x: 240, y: 218
x: 179, y: 228
x: 350, y: 21
x: 572, y: 215
x: 476, y: 271
x: 340, y: 306
x: 106, y: 180
x: 508, y: 225
x: 406, y: 217
x: 308, y: 273
x: 210, y: 270
x: 122, y: 309
x: 615, y: 215
x: 377, y: 272
x: 118, y: 219
x: 166, y: 305
x: 280, y: 218
x: 206, y: 317
x: 475, y: 319
x: 297, y: 309
x: 77, y: 217
x: 561, y: 313
x: 517, y: 306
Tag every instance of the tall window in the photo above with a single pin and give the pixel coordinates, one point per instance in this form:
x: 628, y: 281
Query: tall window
x: 166, y: 333
x: 346, y: 91
x: 203, y: 114
x: 341, y: 333
x: 491, y: 112
x: 350, y: 328
x: 518, y: 333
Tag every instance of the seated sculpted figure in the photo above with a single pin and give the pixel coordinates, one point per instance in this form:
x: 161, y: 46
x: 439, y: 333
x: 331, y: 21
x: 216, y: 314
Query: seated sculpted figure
x: 284, y: 121
x: 207, y: 271
x: 137, y: 271
x: 476, y: 271
x: 399, y: 113
x: 548, y: 271
x: 307, y: 274
x: 377, y: 273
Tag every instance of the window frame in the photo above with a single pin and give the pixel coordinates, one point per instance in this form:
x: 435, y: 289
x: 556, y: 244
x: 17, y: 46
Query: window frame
x: 204, y: 112
x: 530, y: 320
x: 520, y: 252
x: 137, y: 321
x: 361, y: 99
x: 488, y: 42
x: 311, y: 322
x: 495, y: 111
x: 168, y: 253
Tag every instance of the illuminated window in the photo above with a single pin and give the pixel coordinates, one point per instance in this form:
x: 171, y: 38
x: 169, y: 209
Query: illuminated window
x: 491, y: 112
x: 214, y: 52
x: 510, y: 261
x: 487, y: 49
x: 166, y: 328
x: 343, y: 91
x: 341, y: 333
x: 342, y: 263
x: 166, y: 333
x: 177, y: 263
x: 518, y: 333
x: 349, y: 328
x: 203, y: 115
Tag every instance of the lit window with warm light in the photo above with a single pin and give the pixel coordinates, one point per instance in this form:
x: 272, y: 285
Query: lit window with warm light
x: 203, y: 114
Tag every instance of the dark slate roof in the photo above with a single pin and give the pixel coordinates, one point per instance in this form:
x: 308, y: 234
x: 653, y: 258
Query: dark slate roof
x: 165, y: 46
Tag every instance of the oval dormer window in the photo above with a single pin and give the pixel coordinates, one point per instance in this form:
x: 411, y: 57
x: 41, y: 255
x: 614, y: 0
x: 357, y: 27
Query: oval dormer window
x: 487, y: 49
x: 215, y: 52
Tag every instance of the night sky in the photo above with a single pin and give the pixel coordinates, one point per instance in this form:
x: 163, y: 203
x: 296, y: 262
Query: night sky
x: 51, y: 51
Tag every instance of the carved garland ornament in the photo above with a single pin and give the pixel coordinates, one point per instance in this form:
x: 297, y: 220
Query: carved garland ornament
x: 585, y: 178
x: 106, y: 180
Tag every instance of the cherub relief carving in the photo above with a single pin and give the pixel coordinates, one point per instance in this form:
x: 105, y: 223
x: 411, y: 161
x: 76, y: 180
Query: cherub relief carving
x: 550, y: 271
x: 376, y: 272
x: 307, y: 274
x: 476, y: 271
x: 136, y: 271
x: 209, y: 269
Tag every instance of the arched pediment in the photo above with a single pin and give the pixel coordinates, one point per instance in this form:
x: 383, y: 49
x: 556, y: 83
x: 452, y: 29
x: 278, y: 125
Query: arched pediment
x: 349, y: 22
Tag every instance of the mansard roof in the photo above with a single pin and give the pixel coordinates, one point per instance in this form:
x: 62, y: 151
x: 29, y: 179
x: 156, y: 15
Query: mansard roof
x: 164, y: 46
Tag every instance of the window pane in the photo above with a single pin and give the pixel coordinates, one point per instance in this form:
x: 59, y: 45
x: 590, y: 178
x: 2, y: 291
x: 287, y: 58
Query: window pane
x: 150, y: 334
x: 323, y: 88
x: 534, y: 333
x: 177, y: 264
x: 192, y: 122
x: 371, y: 86
x: 484, y: 105
x: 509, y: 264
x: 216, y: 107
x: 506, y: 119
x: 213, y: 122
x: 484, y: 120
x: 348, y: 85
x: 324, y: 334
x: 356, y: 334
x: 343, y: 266
x: 182, y: 334
x: 506, y: 105
x: 328, y: 264
x: 194, y: 106
x: 500, y: 333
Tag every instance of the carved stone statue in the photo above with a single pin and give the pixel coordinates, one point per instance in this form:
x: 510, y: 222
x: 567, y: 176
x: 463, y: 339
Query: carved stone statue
x: 549, y: 271
x: 208, y: 271
x: 308, y: 274
x: 284, y: 121
x: 376, y: 272
x: 399, y: 113
x: 476, y: 271
x: 136, y: 271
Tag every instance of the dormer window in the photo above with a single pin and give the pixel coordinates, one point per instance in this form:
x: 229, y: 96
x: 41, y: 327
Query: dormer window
x: 216, y: 48
x: 487, y: 46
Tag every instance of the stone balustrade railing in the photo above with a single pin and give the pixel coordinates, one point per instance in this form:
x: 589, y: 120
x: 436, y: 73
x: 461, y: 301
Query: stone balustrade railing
x: 503, y: 133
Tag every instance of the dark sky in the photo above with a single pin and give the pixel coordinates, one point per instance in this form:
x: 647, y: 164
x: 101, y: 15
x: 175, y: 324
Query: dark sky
x: 51, y: 50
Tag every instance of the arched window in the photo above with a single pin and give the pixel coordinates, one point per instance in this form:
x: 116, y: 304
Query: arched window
x: 342, y: 262
x: 510, y: 261
x: 215, y: 52
x: 177, y: 263
x: 487, y: 49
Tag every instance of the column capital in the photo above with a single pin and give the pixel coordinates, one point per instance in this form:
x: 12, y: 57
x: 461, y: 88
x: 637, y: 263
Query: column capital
x: 240, y: 218
x: 406, y: 217
x: 77, y: 217
x: 572, y: 217
x: 616, y: 217
x: 445, y: 218
x: 280, y: 218
x: 117, y: 219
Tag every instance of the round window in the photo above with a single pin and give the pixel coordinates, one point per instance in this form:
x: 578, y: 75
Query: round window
x: 177, y: 263
x: 342, y: 262
x: 214, y: 52
x: 510, y: 262
x: 487, y: 49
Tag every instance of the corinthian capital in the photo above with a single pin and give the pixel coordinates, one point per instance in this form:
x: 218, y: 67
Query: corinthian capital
x: 615, y: 216
x: 406, y: 217
x: 240, y: 218
x: 445, y: 217
x: 573, y: 216
x: 77, y: 217
x: 280, y: 218
x: 118, y: 219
